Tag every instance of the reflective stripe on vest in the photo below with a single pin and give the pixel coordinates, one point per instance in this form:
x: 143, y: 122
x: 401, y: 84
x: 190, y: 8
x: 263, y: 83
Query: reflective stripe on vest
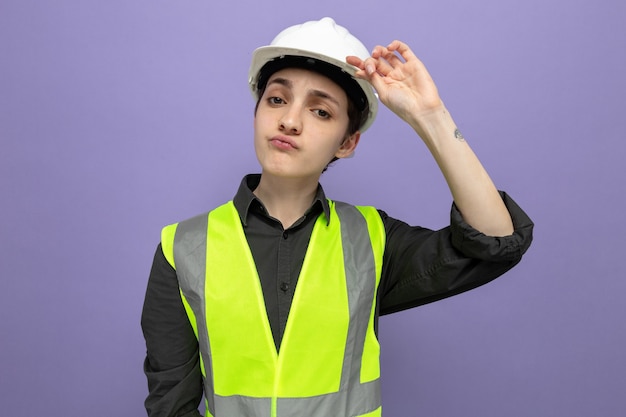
x: 328, y: 364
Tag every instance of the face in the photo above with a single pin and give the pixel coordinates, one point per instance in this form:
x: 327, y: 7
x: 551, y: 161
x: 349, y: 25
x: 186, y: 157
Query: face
x: 301, y: 124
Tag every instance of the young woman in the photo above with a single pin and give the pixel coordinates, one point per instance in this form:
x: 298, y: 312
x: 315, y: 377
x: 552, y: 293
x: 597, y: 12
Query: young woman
x: 269, y: 303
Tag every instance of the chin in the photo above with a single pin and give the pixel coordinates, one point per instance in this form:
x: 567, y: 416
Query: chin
x: 290, y: 172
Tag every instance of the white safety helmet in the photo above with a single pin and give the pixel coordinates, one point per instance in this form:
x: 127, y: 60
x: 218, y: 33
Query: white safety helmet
x: 327, y: 44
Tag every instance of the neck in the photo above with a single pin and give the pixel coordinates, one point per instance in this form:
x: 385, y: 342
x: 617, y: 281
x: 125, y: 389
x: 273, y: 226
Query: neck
x: 286, y: 199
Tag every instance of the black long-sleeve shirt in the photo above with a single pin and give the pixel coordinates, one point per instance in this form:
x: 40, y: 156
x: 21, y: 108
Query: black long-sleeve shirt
x: 419, y: 266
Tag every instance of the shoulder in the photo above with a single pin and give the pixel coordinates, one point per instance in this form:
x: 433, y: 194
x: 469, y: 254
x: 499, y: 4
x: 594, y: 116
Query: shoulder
x: 189, y: 228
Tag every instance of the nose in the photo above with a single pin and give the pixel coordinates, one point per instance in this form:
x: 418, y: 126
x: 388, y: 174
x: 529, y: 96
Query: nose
x: 290, y: 122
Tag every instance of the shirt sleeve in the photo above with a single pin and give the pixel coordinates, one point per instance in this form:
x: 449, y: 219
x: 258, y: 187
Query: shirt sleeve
x: 421, y: 266
x: 172, y: 364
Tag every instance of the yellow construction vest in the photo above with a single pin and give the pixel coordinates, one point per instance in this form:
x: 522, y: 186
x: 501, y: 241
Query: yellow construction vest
x: 328, y: 361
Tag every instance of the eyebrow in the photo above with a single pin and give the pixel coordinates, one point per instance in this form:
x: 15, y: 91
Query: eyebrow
x: 317, y: 93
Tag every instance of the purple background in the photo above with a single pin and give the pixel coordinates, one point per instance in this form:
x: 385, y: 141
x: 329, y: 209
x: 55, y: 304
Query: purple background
x: 118, y: 117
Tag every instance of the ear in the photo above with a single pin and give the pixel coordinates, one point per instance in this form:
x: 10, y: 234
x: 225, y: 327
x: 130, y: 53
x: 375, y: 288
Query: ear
x: 349, y: 145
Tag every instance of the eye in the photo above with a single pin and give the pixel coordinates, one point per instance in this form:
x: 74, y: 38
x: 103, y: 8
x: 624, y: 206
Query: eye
x: 322, y: 113
x: 275, y: 100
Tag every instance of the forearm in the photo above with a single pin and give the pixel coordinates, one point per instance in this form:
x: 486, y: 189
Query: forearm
x: 472, y: 189
x: 406, y: 88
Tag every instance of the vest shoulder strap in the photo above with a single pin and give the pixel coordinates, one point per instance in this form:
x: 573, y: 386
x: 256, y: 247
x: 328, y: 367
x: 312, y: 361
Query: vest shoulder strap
x: 167, y: 243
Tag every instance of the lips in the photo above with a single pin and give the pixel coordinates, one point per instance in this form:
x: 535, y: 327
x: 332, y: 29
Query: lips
x: 283, y: 142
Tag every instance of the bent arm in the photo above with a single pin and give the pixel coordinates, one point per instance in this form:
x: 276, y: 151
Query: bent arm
x: 406, y: 88
x: 421, y: 266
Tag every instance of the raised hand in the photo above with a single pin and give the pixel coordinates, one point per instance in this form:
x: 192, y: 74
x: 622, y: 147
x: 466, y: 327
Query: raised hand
x: 406, y: 88
x: 401, y: 80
